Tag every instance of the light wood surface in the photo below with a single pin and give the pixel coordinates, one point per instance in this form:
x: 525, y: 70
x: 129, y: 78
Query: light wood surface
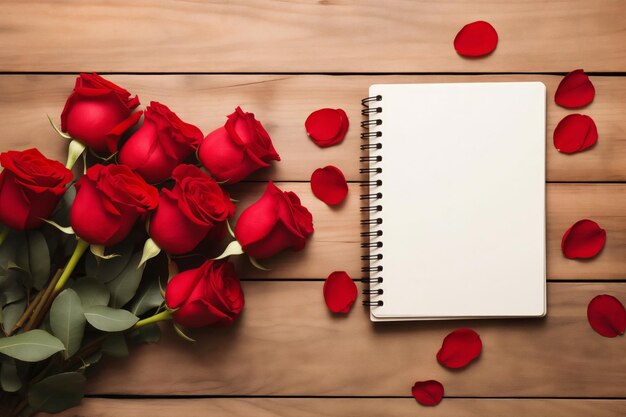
x: 288, y: 344
x: 307, y: 36
x: 342, y: 407
x: 283, y: 102
x: 282, y: 59
x: 335, y: 244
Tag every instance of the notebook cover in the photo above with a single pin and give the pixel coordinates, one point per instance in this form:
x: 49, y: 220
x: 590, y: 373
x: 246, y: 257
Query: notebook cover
x: 463, y: 200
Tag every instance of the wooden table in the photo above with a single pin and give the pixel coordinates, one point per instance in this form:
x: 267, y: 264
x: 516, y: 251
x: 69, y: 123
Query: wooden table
x: 283, y: 59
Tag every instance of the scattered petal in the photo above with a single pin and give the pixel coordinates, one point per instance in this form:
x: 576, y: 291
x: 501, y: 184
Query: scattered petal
x: 476, y: 39
x: 459, y: 348
x: 329, y: 185
x: 327, y: 127
x: 340, y: 292
x: 575, y: 90
x: 427, y: 393
x: 585, y: 239
x: 575, y: 133
x: 606, y: 315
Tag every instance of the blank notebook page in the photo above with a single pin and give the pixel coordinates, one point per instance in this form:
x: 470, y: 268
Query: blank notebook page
x: 463, y: 200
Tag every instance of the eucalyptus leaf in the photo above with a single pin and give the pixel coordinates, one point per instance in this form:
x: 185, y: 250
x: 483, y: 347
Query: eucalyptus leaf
x: 148, y: 297
x: 11, y: 286
x: 32, y: 346
x: 124, y: 286
x: 115, y: 345
x: 110, y: 319
x: 91, y: 292
x: 67, y: 320
x: 150, y: 333
x: 33, y: 256
x: 57, y: 392
x: 106, y: 270
x: 11, y: 313
x: 9, y: 378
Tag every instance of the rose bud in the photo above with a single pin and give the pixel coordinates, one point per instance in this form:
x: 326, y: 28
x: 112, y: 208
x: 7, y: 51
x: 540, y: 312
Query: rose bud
x: 237, y: 149
x: 195, y: 206
x: 98, y: 112
x: 277, y: 221
x: 162, y: 142
x: 31, y: 186
x: 109, y: 200
x: 208, y: 295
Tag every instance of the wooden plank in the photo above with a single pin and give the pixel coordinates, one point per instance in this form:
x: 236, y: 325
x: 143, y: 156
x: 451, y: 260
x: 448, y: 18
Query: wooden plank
x: 282, y: 103
x: 287, y: 344
x: 341, y: 407
x: 335, y: 243
x: 297, y: 36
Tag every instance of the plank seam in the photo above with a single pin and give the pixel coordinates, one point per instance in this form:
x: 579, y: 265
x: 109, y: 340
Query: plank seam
x: 202, y: 396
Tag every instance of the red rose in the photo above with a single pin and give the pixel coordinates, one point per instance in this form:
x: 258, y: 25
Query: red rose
x: 31, y: 186
x: 210, y: 294
x: 237, y: 149
x: 98, y: 112
x: 186, y: 214
x: 276, y: 222
x: 162, y: 142
x: 109, y: 199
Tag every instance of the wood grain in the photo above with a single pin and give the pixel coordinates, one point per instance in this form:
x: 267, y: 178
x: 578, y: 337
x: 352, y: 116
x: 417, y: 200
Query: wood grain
x: 282, y: 103
x: 342, y: 407
x: 335, y: 243
x: 307, y: 36
x: 288, y: 344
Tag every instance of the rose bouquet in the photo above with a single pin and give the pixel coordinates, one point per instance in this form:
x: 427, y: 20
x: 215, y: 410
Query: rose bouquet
x: 90, y: 261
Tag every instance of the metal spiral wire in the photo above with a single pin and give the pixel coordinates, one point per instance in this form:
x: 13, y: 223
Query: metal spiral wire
x: 371, y: 195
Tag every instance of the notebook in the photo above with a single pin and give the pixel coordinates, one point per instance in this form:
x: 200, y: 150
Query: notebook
x: 454, y: 210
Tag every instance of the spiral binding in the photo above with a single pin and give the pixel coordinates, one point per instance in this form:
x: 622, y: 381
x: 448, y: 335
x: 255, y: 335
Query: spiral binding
x: 371, y: 237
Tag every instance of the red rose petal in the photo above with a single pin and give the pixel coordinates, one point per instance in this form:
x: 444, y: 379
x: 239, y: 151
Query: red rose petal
x: 476, y: 39
x: 575, y: 90
x: 427, y: 393
x: 340, y: 292
x: 327, y: 127
x: 575, y: 133
x: 329, y: 185
x: 585, y: 239
x: 606, y: 315
x: 459, y: 348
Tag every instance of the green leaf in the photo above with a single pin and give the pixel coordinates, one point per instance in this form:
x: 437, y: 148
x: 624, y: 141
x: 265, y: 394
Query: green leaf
x: 11, y: 287
x: 67, y: 320
x: 149, y: 297
x: 105, y: 270
x: 110, y: 319
x: 150, y: 250
x: 74, y: 150
x: 115, y: 345
x: 233, y: 248
x: 56, y: 129
x: 33, y: 256
x: 9, y: 379
x: 65, y: 229
x: 150, y: 333
x: 91, y: 292
x: 257, y: 265
x: 124, y: 286
x: 57, y: 392
x: 98, y: 251
x: 11, y: 313
x: 32, y: 346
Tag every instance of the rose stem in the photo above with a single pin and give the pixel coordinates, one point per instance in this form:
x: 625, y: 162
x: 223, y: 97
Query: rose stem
x: 3, y: 235
x: 33, y: 322
x: 26, y: 315
x: 163, y: 315
x: 81, y: 247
